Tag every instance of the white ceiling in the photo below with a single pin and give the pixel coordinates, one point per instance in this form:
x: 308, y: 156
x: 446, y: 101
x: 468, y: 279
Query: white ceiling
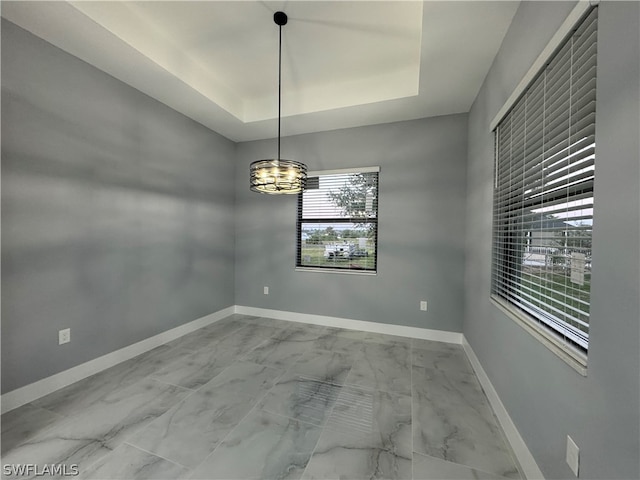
x: 345, y: 63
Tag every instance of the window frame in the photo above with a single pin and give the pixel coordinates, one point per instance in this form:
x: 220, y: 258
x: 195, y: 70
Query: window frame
x: 342, y: 219
x: 572, y: 353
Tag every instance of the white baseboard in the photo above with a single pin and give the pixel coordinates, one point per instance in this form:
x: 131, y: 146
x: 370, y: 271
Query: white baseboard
x: 33, y: 391
x: 388, y: 329
x: 529, y: 467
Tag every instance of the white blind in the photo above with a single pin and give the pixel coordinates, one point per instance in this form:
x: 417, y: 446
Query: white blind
x: 543, y: 192
x: 337, y: 225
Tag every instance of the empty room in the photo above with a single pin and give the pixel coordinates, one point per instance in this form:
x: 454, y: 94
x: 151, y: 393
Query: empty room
x: 320, y: 239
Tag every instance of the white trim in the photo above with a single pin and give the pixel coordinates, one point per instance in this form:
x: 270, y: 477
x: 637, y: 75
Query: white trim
x: 316, y: 173
x: 33, y: 391
x: 567, y: 26
x: 385, y: 328
x: 339, y: 271
x: 528, y: 466
x: 569, y: 355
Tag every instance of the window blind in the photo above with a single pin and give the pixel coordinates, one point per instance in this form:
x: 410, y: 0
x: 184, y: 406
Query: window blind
x: 337, y: 225
x: 543, y: 192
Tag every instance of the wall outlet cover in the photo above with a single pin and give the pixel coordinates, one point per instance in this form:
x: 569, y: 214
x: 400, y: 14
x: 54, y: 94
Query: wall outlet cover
x: 64, y: 336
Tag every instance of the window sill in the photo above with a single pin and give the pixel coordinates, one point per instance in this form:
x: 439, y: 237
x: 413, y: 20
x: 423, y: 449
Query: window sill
x: 339, y: 272
x: 575, y: 359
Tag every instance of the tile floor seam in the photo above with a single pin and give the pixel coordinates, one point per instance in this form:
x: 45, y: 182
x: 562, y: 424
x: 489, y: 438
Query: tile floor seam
x: 155, y: 454
x: 149, y: 425
x: 138, y: 430
x: 467, y: 466
x: 255, y: 407
x: 244, y: 356
x: 90, y: 466
x: 196, y: 467
x: 193, y: 390
x: 39, y: 433
x: 256, y: 403
x: 322, y: 430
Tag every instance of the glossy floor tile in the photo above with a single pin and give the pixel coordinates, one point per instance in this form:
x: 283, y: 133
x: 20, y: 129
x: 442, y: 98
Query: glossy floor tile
x: 130, y: 462
x: 302, y: 398
x: 263, y: 445
x: 255, y: 398
x: 385, y: 367
x: 324, y: 366
x: 23, y: 423
x: 430, y: 468
x: 385, y: 415
x: 84, y: 438
x: 441, y: 356
x: 209, y: 336
x: 86, y: 392
x: 368, y: 435
x: 192, y: 429
x: 357, y: 455
x: 452, y: 420
x: 330, y: 340
x: 278, y: 352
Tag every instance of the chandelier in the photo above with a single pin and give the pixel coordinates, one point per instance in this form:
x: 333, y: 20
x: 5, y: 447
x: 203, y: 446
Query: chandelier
x: 278, y: 176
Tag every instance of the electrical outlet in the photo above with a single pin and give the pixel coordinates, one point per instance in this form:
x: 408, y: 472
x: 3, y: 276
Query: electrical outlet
x: 64, y: 336
x: 423, y: 305
x: 573, y: 455
x: 266, y: 290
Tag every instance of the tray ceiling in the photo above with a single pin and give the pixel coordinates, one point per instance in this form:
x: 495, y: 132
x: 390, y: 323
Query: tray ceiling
x: 345, y: 63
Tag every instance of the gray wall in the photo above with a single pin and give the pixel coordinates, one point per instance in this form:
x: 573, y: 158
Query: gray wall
x: 421, y: 226
x: 547, y: 399
x: 117, y: 213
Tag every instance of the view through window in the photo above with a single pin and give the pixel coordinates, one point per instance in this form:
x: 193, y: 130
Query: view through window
x: 543, y: 193
x: 337, y: 227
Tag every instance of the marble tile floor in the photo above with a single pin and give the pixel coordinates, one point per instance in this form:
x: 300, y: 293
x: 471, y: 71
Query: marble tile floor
x: 257, y: 398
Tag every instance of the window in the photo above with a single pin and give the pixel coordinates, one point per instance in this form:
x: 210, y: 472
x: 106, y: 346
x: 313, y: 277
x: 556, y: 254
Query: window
x: 543, y: 195
x: 337, y: 223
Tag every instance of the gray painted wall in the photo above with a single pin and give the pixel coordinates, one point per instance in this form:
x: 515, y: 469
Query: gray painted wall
x: 117, y: 213
x: 421, y: 226
x: 547, y: 399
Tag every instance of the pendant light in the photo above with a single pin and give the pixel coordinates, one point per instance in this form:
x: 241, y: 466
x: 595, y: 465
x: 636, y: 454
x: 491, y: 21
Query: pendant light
x: 278, y: 176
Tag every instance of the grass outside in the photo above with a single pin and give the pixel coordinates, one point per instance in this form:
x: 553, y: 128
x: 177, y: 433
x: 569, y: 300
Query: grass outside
x: 313, y: 256
x: 555, y: 288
